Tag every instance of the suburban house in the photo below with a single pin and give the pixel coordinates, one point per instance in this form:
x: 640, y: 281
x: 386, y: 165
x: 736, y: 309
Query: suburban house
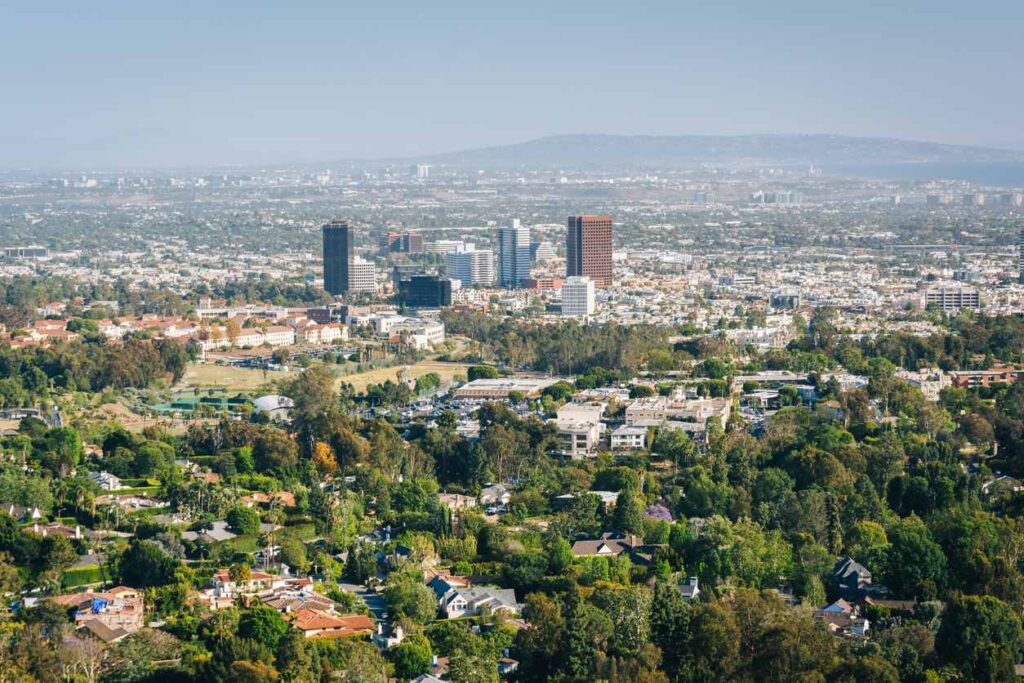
x: 689, y: 590
x: 55, y: 528
x: 105, y: 480
x: 456, y: 501
x: 20, y: 513
x: 842, y: 618
x: 387, y: 637
x: 611, y: 544
x: 471, y: 602
x: 258, y: 582
x: 318, y: 624
x: 109, y: 615
x: 495, y: 494
x: 851, y: 578
x: 608, y: 498
x: 443, y: 582
x: 282, y: 498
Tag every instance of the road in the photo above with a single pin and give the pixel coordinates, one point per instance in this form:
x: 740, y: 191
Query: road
x: 374, y: 601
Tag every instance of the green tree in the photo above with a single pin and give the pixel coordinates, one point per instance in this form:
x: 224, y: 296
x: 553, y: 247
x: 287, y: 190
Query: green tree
x: 144, y: 564
x: 263, y: 624
x: 476, y: 372
x: 407, y: 596
x: 243, y: 520
x: 980, y: 635
x: 629, y: 513
x: 411, y: 657
x: 914, y: 561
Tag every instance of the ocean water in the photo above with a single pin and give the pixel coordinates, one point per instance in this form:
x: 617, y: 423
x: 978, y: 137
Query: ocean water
x: 993, y: 174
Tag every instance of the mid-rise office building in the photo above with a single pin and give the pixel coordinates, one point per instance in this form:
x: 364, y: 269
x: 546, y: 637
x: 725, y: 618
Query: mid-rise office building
x: 513, y: 254
x: 578, y: 297
x: 362, y: 275
x: 425, y: 291
x: 338, y: 252
x: 784, y: 197
x: 953, y: 299
x: 32, y: 252
x: 472, y: 267
x: 588, y: 249
x: 786, y: 298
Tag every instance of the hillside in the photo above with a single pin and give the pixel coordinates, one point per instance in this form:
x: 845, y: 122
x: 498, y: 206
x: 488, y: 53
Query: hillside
x: 683, y: 151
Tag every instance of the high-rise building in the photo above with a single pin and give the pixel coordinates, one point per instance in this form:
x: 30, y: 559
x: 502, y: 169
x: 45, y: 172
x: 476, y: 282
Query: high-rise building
x: 939, y: 199
x: 362, y: 275
x: 578, y: 297
x: 471, y: 267
x: 513, y: 254
x: 973, y: 199
x: 338, y: 251
x: 1020, y: 255
x: 588, y: 248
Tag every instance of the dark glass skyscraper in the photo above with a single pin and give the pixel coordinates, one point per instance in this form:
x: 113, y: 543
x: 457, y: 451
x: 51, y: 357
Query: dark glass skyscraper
x: 338, y: 255
x: 588, y: 248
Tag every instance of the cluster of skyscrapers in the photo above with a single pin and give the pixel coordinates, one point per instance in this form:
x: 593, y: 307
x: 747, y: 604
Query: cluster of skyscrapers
x: 588, y: 254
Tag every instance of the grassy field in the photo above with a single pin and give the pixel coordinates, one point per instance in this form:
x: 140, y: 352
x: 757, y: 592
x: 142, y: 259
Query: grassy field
x: 445, y: 371
x: 208, y: 376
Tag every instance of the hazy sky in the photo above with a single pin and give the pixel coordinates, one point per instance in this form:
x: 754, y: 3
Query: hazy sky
x: 93, y: 83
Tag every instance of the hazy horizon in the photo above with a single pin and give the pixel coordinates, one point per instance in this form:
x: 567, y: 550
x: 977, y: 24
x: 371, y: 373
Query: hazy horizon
x: 117, y: 84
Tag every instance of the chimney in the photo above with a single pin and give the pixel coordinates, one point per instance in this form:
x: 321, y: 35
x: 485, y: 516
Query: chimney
x: 693, y: 581
x: 433, y: 660
x: 380, y: 628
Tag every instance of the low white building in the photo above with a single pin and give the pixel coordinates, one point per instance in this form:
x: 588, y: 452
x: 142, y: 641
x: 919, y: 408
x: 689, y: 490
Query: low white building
x: 629, y: 438
x: 579, y: 428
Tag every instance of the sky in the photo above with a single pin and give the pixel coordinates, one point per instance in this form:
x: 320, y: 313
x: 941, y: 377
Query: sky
x: 104, y: 84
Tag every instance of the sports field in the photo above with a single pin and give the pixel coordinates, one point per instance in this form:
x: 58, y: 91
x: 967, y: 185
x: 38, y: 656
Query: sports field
x: 247, y: 379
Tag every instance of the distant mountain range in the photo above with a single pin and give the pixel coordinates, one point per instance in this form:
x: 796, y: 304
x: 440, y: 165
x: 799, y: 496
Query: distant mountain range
x: 688, y: 151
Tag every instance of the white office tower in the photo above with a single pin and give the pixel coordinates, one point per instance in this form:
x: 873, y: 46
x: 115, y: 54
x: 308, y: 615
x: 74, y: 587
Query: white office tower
x: 513, y: 254
x: 362, y: 275
x: 472, y: 267
x: 578, y: 297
